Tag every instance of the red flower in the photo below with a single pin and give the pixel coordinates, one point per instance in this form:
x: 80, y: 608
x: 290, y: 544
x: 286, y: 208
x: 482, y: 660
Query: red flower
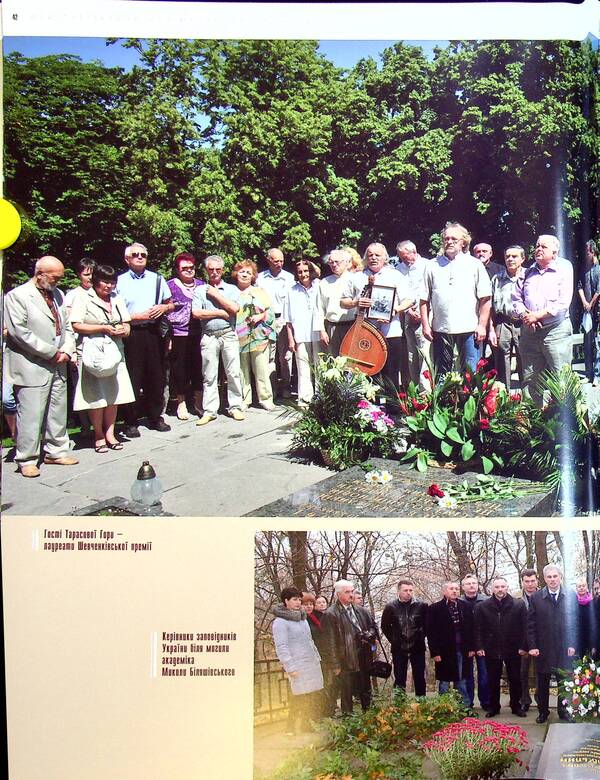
x: 516, y: 397
x: 418, y: 406
x: 484, y: 424
x: 468, y: 377
x: 492, y: 374
x: 481, y: 363
x: 435, y: 491
x: 490, y: 402
x: 427, y: 375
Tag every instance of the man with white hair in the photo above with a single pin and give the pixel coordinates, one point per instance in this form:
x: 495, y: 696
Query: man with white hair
x: 541, y: 301
x: 278, y: 282
x: 415, y: 347
x: 457, y: 294
x: 148, y: 299
x: 552, y: 636
x: 39, y: 344
x: 378, y: 271
x: 351, y: 637
x: 331, y: 319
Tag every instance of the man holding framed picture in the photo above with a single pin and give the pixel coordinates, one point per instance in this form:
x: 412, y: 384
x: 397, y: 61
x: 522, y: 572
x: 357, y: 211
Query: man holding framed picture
x: 389, y: 296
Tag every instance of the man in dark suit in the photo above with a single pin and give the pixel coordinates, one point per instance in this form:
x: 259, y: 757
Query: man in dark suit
x: 552, y: 636
x: 403, y: 624
x: 351, y: 635
x: 451, y: 641
x: 529, y: 586
x: 500, y: 638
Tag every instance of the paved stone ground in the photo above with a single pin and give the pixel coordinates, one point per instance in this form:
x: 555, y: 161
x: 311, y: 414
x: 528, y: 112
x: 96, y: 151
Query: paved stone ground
x: 225, y: 468
x: 272, y: 746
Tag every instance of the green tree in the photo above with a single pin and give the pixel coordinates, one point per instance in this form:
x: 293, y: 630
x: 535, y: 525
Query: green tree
x: 62, y: 158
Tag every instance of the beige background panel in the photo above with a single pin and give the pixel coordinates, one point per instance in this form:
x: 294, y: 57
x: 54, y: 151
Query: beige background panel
x: 81, y: 701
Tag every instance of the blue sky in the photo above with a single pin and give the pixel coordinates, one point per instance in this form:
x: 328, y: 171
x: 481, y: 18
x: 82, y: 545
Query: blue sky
x: 345, y: 54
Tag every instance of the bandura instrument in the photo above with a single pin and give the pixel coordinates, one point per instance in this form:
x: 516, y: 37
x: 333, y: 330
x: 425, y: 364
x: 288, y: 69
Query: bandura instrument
x: 363, y: 345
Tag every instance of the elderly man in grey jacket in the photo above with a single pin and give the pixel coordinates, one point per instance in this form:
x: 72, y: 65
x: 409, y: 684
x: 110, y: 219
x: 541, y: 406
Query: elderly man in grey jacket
x: 39, y: 344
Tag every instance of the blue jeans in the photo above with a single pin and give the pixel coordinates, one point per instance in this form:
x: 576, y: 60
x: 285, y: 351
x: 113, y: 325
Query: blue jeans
x: 483, y: 691
x: 460, y: 685
x: 469, y: 351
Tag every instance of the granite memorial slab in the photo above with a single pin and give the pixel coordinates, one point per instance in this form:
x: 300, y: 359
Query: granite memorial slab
x: 348, y: 494
x: 571, y: 752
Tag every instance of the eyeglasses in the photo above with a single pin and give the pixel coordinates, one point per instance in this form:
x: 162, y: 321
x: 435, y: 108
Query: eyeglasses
x: 187, y: 268
x: 108, y: 282
x: 138, y: 254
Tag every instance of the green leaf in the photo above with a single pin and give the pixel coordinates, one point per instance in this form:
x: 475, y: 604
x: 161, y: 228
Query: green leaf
x: 487, y: 464
x: 467, y: 450
x: 446, y: 448
x: 440, y: 420
x: 454, y: 435
x: 435, y: 430
x: 470, y: 409
x: 412, y: 423
x: 422, y: 462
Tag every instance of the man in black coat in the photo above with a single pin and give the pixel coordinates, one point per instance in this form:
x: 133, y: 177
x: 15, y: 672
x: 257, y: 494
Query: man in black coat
x: 552, y: 636
x: 451, y: 641
x: 472, y: 597
x: 403, y: 624
x: 351, y: 634
x: 529, y: 586
x: 500, y: 638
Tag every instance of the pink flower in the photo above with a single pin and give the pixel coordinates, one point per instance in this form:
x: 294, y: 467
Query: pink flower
x: 484, y: 424
x: 363, y: 404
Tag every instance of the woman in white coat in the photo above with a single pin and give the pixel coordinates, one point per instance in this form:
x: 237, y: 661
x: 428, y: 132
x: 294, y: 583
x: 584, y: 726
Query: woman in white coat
x: 300, y: 659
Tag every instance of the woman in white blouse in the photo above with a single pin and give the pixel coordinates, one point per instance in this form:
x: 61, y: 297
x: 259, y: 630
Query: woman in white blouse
x: 299, y: 314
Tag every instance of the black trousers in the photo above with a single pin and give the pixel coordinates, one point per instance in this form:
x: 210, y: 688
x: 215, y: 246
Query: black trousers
x: 144, y: 354
x: 185, y: 360
x: 543, y: 693
x: 417, y: 664
x: 527, y: 662
x: 350, y: 684
x: 513, y: 672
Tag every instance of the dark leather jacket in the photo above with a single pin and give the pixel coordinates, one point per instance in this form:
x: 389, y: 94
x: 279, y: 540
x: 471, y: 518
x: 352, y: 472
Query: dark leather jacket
x: 345, y: 648
x: 403, y: 624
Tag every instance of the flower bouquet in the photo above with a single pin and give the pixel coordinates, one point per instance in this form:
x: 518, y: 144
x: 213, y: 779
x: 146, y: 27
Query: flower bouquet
x: 342, y: 425
x: 580, y: 691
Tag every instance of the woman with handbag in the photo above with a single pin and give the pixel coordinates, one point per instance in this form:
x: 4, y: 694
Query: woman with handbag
x: 255, y: 326
x: 101, y: 317
x: 185, y: 355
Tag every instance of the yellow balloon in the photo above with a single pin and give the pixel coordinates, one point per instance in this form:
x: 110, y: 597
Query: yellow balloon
x: 10, y: 224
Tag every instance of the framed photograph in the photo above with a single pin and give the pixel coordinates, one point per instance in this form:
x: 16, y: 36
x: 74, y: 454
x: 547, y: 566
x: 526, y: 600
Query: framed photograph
x: 382, y: 306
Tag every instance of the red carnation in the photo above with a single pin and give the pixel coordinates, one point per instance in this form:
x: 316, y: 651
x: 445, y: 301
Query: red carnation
x: 516, y: 397
x: 492, y: 374
x: 481, y: 364
x: 435, y: 491
x: 484, y: 424
x: 427, y: 375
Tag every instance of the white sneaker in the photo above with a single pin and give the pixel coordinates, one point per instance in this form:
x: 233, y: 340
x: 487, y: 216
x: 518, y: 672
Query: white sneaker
x: 182, y: 411
x: 236, y: 414
x: 269, y: 406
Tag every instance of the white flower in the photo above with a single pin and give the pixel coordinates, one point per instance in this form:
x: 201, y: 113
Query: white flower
x: 586, y: 688
x: 447, y: 502
x: 569, y: 709
x: 372, y: 477
x: 577, y: 670
x: 384, y: 477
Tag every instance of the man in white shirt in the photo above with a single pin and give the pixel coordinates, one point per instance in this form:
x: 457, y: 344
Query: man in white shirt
x: 277, y: 283
x: 457, y: 292
x: 379, y: 272
x: 415, y: 347
x: 331, y: 319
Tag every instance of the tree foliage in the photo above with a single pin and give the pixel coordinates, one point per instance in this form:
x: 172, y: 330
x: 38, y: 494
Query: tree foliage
x: 233, y: 146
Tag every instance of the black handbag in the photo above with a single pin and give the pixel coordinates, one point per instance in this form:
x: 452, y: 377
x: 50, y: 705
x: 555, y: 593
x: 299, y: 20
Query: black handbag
x: 163, y: 324
x: 382, y: 669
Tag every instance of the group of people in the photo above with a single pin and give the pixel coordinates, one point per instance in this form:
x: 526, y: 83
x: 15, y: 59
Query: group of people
x: 329, y: 652
x: 248, y: 331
